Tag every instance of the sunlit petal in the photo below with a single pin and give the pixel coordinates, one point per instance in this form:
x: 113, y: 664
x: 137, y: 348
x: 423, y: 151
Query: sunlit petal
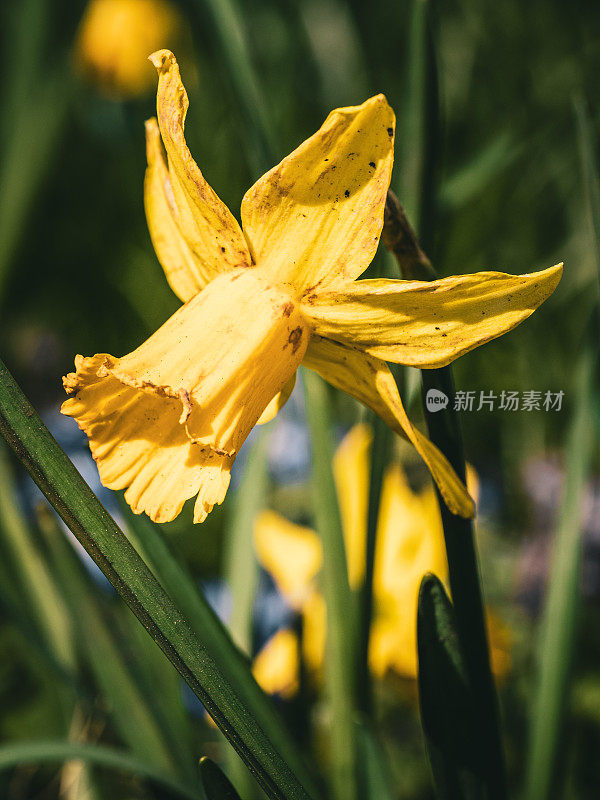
x: 429, y: 324
x: 183, y: 269
x: 369, y: 380
x: 315, y: 219
x: 190, y: 394
x: 205, y: 222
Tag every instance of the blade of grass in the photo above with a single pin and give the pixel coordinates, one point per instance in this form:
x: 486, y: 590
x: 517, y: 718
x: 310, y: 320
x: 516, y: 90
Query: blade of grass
x: 559, y: 627
x: 204, y: 622
x: 336, y: 589
x: 51, y: 751
x: 194, y: 658
x: 241, y: 566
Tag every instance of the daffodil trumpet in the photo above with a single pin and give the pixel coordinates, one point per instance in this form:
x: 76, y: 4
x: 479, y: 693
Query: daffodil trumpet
x: 167, y: 421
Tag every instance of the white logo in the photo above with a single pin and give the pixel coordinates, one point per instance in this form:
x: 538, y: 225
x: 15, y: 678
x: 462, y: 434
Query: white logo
x: 435, y: 400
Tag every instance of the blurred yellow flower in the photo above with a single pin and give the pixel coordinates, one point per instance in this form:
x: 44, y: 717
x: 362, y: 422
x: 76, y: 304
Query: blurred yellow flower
x: 114, y: 39
x: 410, y: 542
x: 168, y: 420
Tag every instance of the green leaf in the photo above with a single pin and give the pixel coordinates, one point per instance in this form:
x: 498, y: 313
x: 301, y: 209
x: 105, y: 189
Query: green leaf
x: 215, y: 784
x: 196, y: 658
x: 51, y: 751
x: 447, y: 714
x: 206, y: 624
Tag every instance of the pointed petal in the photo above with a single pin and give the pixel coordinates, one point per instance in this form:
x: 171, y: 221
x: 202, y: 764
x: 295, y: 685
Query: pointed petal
x: 168, y: 419
x: 185, y: 272
x: 291, y: 554
x: 207, y: 225
x: 429, y: 324
x: 315, y: 219
x: 370, y: 381
x: 278, y: 402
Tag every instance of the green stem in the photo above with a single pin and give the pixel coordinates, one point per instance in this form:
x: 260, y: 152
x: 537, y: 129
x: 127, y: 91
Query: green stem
x: 105, y: 542
x: 338, y: 598
x: 379, y: 458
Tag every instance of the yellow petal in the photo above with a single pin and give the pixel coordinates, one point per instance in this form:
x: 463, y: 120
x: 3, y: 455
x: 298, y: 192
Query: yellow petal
x: 429, y: 324
x: 183, y: 269
x: 291, y: 554
x: 314, y: 631
x: 278, y: 402
x: 370, y: 381
x: 276, y: 667
x: 168, y: 419
x: 351, y: 470
x: 205, y: 222
x: 410, y: 540
x: 315, y: 219
x: 137, y: 442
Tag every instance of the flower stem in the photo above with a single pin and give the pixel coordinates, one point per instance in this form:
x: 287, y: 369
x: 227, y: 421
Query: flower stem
x: 336, y: 588
x: 465, y: 587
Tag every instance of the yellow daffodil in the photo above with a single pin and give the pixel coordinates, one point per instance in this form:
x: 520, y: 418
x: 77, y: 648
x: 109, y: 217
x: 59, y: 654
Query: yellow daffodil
x: 410, y: 542
x: 168, y: 420
x: 114, y: 39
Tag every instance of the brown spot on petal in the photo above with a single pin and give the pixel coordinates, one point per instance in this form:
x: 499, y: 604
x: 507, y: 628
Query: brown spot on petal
x: 294, y: 338
x: 287, y: 309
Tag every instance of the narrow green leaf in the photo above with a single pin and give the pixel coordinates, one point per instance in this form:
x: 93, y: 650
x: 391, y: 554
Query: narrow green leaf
x: 241, y: 570
x: 194, y: 657
x: 51, y: 751
x: 215, y: 784
x: 377, y: 778
x: 336, y: 589
x: 241, y: 567
x: 447, y: 713
x: 206, y: 625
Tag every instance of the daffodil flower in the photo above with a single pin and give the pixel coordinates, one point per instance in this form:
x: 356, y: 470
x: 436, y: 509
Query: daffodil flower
x: 168, y: 420
x: 410, y: 543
